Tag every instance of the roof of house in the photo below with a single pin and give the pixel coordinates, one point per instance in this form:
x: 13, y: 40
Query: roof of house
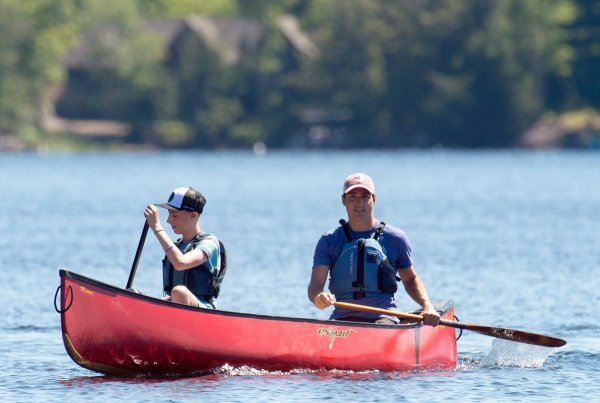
x: 233, y: 38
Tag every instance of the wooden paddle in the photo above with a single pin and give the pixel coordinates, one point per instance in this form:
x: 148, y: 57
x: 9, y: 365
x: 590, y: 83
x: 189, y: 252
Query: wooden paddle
x: 498, y: 332
x: 138, y: 253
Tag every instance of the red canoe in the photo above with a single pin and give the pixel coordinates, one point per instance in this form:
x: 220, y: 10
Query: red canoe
x: 113, y: 331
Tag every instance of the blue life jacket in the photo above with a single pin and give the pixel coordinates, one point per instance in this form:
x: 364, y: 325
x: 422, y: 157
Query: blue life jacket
x: 202, y: 281
x: 362, y: 269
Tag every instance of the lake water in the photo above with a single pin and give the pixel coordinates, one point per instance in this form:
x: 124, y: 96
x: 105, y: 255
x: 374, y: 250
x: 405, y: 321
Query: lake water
x: 511, y: 236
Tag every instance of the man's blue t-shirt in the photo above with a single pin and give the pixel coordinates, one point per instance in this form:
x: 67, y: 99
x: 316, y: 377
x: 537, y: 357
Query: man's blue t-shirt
x: 396, y: 247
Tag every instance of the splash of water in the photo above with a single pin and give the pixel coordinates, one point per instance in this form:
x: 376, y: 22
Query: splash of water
x: 510, y: 354
x: 250, y: 371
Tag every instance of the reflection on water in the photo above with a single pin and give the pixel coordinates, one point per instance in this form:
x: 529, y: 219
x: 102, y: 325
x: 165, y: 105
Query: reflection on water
x: 83, y: 381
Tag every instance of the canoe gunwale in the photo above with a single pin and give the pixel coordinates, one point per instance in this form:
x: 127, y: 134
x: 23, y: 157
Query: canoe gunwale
x: 442, y: 307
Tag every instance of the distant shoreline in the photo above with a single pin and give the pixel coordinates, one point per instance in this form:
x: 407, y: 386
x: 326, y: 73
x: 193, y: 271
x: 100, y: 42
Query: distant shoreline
x: 569, y: 130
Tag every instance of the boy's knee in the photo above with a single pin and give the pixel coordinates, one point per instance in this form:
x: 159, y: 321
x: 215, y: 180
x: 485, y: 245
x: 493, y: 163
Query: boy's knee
x: 179, y: 290
x: 182, y: 295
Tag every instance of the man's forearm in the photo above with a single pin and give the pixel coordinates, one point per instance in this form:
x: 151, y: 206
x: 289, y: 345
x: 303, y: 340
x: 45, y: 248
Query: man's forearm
x: 313, y: 291
x: 416, y: 290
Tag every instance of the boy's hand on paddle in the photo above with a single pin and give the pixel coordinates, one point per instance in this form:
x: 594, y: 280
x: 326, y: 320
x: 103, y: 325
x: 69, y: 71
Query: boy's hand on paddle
x: 152, y: 217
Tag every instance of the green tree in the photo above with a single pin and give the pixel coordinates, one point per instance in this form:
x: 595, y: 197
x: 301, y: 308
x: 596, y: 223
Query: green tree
x: 578, y: 83
x: 438, y: 72
x: 413, y: 73
x: 35, y: 37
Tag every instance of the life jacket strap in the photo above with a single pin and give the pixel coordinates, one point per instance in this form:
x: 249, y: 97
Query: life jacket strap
x: 360, y: 266
x: 379, y: 230
x: 346, y: 230
x: 359, y: 294
x: 218, y: 279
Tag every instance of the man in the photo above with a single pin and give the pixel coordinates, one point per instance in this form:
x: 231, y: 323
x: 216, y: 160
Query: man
x: 362, y: 258
x: 192, y: 267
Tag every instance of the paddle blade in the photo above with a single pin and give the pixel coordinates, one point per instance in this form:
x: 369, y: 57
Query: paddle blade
x: 517, y: 335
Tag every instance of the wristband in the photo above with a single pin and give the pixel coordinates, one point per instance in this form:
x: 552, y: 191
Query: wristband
x: 169, y: 248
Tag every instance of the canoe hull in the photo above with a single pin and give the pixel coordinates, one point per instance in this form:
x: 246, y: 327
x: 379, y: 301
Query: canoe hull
x: 113, y: 331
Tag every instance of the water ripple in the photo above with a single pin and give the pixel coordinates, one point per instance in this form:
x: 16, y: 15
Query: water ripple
x: 510, y: 236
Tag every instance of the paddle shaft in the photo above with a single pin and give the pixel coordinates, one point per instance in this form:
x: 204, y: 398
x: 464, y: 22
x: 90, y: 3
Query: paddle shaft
x: 498, y: 332
x: 138, y: 253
